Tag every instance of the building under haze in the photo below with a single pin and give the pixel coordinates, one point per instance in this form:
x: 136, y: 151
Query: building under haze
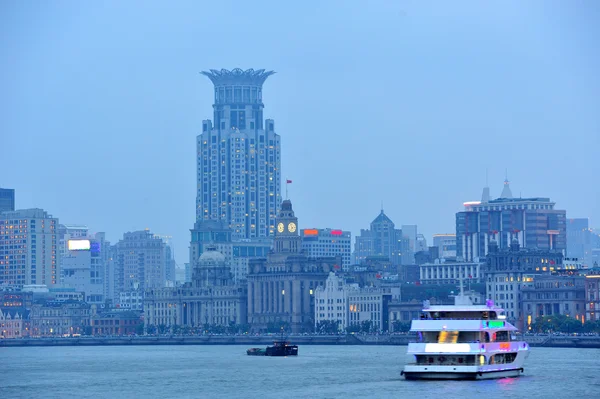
x: 579, y: 240
x: 533, y: 222
x: 7, y: 199
x: 446, y: 244
x: 29, y: 251
x: 382, y: 239
x: 238, y: 157
x: 139, y: 261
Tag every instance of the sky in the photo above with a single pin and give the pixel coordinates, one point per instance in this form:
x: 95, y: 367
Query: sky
x: 402, y: 102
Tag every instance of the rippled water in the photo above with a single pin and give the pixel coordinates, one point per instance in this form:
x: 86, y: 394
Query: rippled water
x: 318, y: 372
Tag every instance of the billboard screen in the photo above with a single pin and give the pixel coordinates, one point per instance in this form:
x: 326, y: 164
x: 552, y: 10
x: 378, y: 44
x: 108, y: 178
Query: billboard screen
x: 79, y: 245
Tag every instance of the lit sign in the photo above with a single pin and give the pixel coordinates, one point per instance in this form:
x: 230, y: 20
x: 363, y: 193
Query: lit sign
x: 95, y: 246
x: 336, y: 232
x: 79, y: 245
x: 505, y: 346
x: 311, y: 232
x: 471, y: 203
x: 447, y: 348
x: 495, y: 324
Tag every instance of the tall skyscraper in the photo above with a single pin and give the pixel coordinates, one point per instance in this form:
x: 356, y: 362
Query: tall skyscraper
x: 7, y: 199
x: 533, y: 222
x: 238, y: 157
x: 29, y: 252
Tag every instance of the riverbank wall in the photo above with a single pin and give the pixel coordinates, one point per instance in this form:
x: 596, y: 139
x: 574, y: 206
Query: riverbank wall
x: 252, y: 341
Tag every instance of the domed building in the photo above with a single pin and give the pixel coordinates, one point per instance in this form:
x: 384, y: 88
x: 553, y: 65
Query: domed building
x: 212, y: 298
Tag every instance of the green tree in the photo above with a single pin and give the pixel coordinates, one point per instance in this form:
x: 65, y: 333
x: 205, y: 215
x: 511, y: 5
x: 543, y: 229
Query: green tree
x: 399, y: 326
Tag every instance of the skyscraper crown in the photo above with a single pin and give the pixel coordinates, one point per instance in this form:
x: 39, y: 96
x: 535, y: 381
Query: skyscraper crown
x: 237, y: 76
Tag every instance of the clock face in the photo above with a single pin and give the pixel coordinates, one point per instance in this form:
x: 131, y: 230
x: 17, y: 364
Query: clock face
x: 280, y: 227
x: 292, y: 227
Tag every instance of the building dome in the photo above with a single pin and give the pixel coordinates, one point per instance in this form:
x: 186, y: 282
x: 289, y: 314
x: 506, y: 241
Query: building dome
x: 211, y: 257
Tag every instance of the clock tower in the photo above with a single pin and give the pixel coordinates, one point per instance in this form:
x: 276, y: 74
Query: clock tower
x: 287, y: 237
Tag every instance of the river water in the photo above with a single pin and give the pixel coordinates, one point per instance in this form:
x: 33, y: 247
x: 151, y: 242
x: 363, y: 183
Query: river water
x: 318, y: 372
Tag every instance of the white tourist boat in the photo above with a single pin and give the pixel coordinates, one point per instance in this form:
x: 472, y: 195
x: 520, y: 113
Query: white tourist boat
x: 464, y: 341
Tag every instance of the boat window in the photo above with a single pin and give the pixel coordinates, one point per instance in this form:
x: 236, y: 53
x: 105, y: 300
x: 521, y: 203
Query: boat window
x: 503, y: 358
x: 448, y: 337
x: 501, y: 336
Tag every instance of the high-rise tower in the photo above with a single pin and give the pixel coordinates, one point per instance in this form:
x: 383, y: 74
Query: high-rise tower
x: 239, y: 157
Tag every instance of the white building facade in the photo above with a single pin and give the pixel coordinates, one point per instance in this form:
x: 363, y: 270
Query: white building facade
x: 348, y: 304
x: 317, y: 243
x: 445, y: 272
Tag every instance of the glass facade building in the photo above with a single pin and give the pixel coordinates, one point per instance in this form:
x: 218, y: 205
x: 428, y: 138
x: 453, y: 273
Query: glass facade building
x: 7, y: 199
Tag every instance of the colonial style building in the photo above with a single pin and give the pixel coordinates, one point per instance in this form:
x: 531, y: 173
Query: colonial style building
x: 55, y: 318
x: 281, y: 287
x: 549, y: 295
x: 507, y: 270
x: 11, y: 324
x: 119, y: 322
x: 212, y: 298
x: 592, y: 295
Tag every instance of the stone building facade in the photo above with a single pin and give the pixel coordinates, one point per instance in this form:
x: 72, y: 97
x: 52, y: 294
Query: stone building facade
x: 549, y: 295
x: 281, y: 287
x: 212, y: 298
x: 508, y: 270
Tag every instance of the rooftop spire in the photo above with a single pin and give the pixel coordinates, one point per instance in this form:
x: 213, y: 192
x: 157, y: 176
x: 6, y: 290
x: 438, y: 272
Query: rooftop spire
x: 506, y: 193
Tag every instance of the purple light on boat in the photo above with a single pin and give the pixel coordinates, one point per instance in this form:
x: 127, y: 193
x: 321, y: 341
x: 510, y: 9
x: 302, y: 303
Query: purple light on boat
x: 489, y: 303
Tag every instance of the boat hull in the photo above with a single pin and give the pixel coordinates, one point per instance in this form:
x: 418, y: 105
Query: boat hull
x: 459, y: 375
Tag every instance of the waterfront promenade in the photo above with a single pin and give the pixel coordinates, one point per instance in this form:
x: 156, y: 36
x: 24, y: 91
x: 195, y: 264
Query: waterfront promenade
x: 551, y: 341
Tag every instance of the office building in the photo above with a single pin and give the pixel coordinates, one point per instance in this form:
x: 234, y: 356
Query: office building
x: 533, y: 222
x: 238, y: 157
x: 446, y: 244
x: 140, y: 260
x: 579, y: 240
x: 83, y: 267
x: 318, y: 243
x: 7, y: 199
x: 382, y: 239
x: 67, y: 232
x: 29, y: 248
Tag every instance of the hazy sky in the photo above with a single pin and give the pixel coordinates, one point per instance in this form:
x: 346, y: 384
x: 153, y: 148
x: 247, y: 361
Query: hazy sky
x: 402, y: 101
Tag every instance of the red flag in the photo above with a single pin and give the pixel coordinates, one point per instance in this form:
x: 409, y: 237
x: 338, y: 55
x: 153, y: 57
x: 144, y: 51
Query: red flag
x: 288, y: 181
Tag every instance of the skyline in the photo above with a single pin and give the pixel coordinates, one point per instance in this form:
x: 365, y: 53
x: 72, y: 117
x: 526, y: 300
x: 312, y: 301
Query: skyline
x: 507, y: 73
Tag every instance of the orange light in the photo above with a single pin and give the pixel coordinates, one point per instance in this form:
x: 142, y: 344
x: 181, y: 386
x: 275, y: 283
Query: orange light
x: 505, y: 345
x: 311, y: 232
